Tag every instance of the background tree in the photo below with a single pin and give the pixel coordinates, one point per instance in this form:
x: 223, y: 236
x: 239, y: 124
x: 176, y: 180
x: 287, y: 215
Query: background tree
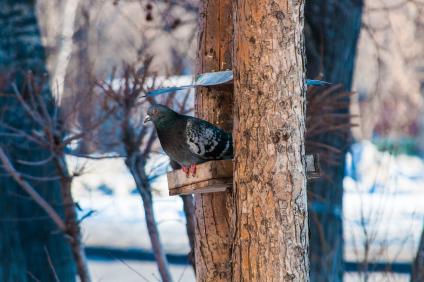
x: 134, y: 136
x: 31, y: 246
x: 79, y: 79
x: 127, y: 96
x: 330, y: 50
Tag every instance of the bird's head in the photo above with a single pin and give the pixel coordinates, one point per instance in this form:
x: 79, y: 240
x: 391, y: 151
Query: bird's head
x: 160, y: 115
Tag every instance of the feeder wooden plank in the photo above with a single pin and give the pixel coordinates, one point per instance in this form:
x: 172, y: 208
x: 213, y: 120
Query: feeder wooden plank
x: 205, y: 171
x: 208, y: 186
x: 217, y: 176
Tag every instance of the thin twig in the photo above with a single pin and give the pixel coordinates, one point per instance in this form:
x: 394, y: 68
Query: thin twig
x: 36, y: 163
x: 49, y: 260
x: 87, y: 215
x: 182, y: 273
x: 33, y: 276
x: 33, y: 114
x: 130, y: 267
x: 91, y: 157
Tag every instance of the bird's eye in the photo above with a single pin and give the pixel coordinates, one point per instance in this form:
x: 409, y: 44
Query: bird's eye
x: 155, y: 112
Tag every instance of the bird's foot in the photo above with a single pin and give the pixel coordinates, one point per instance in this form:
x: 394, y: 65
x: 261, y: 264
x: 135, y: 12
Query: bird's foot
x: 186, y: 170
x: 193, y: 169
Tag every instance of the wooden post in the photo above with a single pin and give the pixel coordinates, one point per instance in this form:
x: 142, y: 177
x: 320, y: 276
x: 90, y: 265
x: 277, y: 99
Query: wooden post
x: 213, y: 215
x: 271, y: 230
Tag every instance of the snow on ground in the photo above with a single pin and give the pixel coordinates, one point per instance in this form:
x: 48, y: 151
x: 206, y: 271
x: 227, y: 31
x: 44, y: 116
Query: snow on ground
x: 383, y: 204
x: 118, y: 221
x: 383, y: 199
x: 375, y: 277
x: 136, y: 271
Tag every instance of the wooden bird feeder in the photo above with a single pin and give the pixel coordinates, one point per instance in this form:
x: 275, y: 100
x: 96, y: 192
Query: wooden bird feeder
x: 217, y: 176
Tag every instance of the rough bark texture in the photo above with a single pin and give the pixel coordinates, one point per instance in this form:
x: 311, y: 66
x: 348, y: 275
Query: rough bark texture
x: 331, y: 51
x: 212, y: 245
x: 31, y: 247
x: 271, y: 231
x: 74, y: 231
x: 72, y: 227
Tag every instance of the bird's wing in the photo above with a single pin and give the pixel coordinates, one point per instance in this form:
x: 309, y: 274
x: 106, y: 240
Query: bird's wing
x: 207, y: 141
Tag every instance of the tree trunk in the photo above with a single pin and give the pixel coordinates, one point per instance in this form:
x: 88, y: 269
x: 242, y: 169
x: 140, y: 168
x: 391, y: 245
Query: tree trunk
x: 79, y: 81
x: 73, y: 229
x: 152, y: 228
x: 271, y: 231
x: 213, y: 214
x: 189, y: 211
x: 331, y: 51
x: 136, y: 167
x: 31, y: 247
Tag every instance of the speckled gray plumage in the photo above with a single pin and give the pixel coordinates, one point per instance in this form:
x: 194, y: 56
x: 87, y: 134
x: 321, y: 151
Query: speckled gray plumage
x: 188, y: 140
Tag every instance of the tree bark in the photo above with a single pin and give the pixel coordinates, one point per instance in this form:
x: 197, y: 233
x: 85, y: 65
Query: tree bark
x: 271, y: 230
x: 213, y: 213
x: 74, y: 232
x: 189, y: 211
x: 72, y: 228
x: 29, y: 239
x: 331, y: 51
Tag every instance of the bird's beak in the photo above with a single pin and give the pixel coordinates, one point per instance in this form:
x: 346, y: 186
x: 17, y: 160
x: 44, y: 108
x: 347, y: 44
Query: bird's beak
x: 147, y: 119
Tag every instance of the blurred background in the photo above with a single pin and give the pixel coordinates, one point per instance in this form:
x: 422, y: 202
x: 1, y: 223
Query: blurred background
x: 85, y: 118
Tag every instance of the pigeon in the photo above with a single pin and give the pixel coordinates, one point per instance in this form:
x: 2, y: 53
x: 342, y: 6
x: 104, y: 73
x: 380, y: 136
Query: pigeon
x: 188, y: 140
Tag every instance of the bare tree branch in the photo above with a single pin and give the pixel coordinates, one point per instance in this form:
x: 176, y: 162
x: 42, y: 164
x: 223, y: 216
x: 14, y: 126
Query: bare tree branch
x: 7, y: 165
